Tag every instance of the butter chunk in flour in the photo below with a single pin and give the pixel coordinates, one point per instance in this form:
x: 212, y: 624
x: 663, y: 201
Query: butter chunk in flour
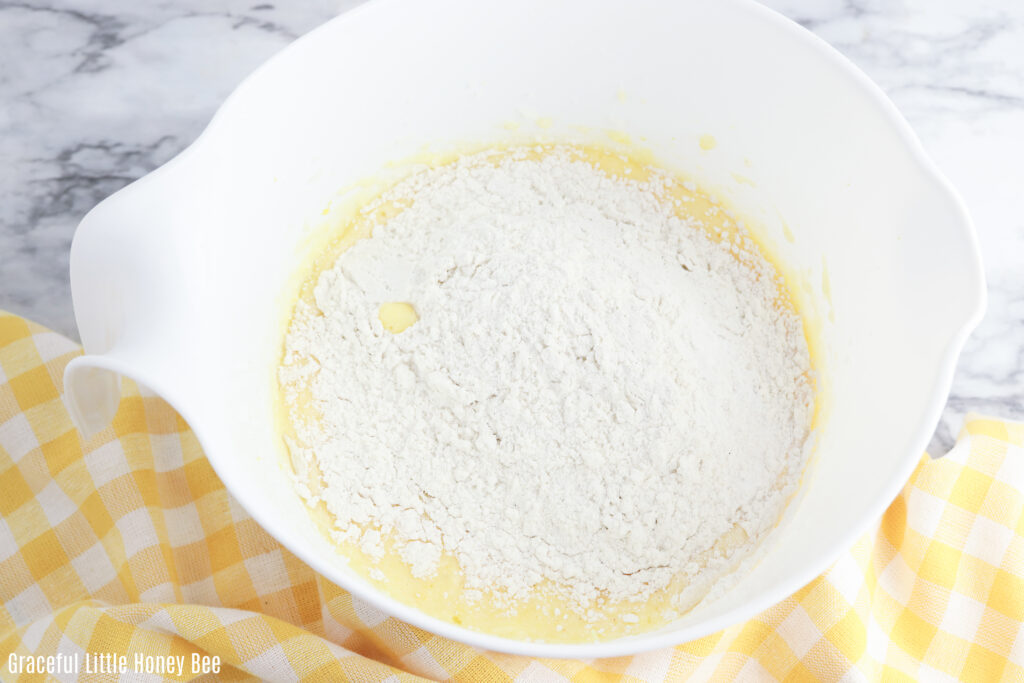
x: 596, y: 396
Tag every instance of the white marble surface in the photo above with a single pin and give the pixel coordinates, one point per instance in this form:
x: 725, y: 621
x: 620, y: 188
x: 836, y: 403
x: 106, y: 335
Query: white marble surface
x: 95, y: 93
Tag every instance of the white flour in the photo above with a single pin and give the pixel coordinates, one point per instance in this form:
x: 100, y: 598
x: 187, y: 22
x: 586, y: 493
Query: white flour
x: 594, y: 394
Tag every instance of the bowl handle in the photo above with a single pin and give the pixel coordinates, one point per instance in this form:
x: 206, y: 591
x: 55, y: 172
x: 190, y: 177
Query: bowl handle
x: 127, y: 287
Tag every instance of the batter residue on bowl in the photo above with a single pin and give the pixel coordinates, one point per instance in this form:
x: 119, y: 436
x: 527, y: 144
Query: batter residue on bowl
x: 552, y: 393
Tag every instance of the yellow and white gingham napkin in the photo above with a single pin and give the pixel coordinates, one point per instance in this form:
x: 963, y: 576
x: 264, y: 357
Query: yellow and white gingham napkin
x: 128, y: 544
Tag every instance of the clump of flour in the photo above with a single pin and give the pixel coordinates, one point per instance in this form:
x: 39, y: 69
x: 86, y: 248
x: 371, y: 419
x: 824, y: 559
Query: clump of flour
x: 595, y: 393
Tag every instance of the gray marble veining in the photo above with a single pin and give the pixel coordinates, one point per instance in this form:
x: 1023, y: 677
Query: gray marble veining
x: 96, y: 93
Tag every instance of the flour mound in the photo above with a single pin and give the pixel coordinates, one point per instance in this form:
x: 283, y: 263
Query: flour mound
x: 595, y: 394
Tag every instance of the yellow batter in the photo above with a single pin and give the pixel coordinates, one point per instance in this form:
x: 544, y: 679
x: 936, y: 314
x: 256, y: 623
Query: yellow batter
x: 396, y: 316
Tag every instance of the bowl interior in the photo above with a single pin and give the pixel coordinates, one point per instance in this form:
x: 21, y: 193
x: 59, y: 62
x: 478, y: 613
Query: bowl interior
x: 819, y: 165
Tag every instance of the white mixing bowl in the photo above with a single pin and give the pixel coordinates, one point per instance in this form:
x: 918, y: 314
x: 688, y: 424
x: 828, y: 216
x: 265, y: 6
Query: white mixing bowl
x: 178, y: 280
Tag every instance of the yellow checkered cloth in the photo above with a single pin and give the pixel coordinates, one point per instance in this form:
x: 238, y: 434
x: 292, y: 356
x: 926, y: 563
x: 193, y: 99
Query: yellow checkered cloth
x: 128, y: 544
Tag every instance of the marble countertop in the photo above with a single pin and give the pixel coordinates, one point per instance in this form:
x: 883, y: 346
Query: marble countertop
x: 95, y: 93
